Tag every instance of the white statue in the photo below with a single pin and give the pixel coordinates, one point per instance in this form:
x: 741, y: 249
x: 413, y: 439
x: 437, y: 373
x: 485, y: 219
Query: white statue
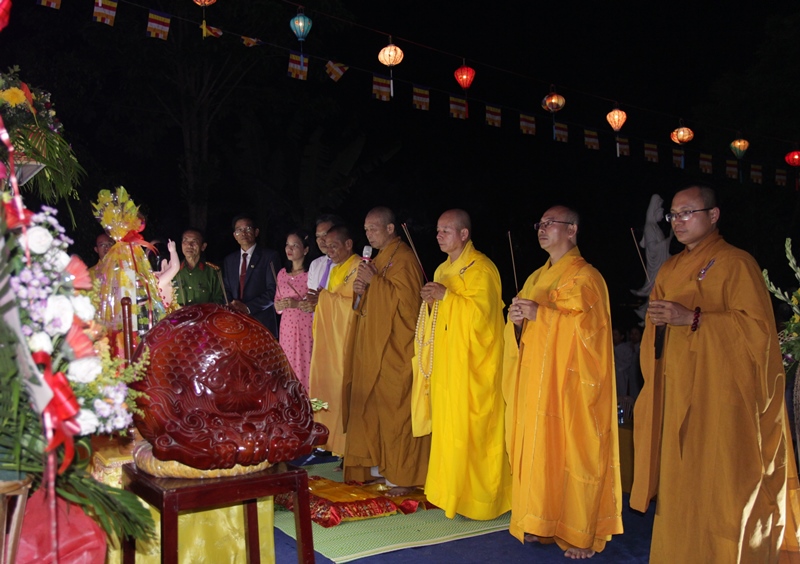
x: 655, y: 245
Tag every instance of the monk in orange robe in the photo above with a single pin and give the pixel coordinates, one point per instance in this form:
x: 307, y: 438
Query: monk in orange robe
x: 333, y: 323
x: 377, y: 390
x: 710, y: 436
x: 559, y: 384
x: 458, y: 370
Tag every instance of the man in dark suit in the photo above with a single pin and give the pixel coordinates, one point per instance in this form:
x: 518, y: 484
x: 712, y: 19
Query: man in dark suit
x: 249, y: 275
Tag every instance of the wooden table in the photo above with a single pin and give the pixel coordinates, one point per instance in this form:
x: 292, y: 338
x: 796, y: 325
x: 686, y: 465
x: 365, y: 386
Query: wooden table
x: 173, y: 495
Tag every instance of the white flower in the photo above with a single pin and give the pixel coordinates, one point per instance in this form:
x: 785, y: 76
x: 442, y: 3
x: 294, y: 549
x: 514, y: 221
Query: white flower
x: 83, y: 307
x: 88, y: 422
x: 58, y: 315
x: 84, y: 370
x: 60, y: 259
x: 40, y: 342
x: 37, y: 239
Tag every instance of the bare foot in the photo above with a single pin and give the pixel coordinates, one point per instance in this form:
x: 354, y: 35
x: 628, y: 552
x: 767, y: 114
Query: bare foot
x: 579, y: 553
x: 397, y: 491
x: 541, y: 540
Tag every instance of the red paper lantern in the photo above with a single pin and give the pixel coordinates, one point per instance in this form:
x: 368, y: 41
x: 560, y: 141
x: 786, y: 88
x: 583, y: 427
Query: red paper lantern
x: 464, y: 76
x: 793, y: 158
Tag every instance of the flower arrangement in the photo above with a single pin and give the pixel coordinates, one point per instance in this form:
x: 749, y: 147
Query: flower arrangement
x: 63, y: 348
x: 55, y: 319
x: 23, y: 106
x: 37, y: 136
x: 790, y: 342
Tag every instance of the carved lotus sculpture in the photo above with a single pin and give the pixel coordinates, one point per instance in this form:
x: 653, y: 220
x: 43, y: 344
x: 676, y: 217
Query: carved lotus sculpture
x: 220, y: 392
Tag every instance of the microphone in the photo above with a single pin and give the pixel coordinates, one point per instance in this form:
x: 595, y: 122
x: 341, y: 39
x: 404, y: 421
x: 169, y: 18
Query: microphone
x: 366, y: 256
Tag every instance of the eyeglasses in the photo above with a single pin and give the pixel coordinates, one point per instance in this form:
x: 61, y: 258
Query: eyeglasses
x: 548, y: 223
x: 240, y: 230
x: 683, y: 215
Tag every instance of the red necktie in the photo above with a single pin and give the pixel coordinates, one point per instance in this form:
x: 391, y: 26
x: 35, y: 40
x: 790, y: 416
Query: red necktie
x: 242, y: 275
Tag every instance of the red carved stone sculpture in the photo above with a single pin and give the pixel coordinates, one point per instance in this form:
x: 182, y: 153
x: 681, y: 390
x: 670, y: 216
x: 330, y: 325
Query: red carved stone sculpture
x: 220, y: 392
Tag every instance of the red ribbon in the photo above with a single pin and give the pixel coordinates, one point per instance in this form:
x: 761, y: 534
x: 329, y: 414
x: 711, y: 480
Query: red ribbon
x: 62, y: 409
x: 135, y: 237
x: 17, y: 216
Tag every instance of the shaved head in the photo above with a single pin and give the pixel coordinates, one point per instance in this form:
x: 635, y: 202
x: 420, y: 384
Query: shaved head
x: 460, y: 218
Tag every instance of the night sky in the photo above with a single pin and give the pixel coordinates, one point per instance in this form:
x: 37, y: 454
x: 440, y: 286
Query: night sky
x: 659, y: 61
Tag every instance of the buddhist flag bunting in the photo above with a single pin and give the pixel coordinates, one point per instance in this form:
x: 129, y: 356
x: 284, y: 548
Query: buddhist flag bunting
x: 298, y: 68
x: 560, y: 132
x: 623, y: 147
x: 705, y: 163
x: 731, y: 169
x: 381, y: 88
x: 251, y: 41
x: 780, y: 176
x: 678, y: 158
x: 335, y: 70
x: 527, y: 124
x: 158, y: 25
x: 105, y: 11
x: 458, y: 108
x: 493, y: 114
x: 651, y: 152
x: 591, y: 140
x: 422, y: 98
x: 755, y: 174
x: 209, y: 31
x: 56, y: 4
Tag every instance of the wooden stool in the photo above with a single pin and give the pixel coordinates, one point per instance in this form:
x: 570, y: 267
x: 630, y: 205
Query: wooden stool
x: 19, y: 490
x: 173, y: 495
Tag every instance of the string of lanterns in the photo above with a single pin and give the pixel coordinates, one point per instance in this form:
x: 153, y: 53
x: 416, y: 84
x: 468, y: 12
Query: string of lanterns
x: 391, y: 55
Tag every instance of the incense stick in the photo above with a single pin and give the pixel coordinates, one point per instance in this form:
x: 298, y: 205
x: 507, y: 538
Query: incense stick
x: 636, y: 244
x: 413, y: 248
x: 513, y: 263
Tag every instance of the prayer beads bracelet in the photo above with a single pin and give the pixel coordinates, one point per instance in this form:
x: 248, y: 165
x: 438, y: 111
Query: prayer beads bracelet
x: 696, y: 318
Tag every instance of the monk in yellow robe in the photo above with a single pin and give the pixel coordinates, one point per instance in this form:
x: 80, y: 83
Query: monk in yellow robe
x: 377, y: 390
x: 710, y: 436
x: 333, y: 322
x: 458, y: 373
x: 559, y: 384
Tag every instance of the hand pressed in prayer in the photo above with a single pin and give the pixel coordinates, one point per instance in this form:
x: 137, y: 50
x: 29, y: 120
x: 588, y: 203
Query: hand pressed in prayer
x: 521, y: 309
x: 313, y: 297
x: 663, y: 312
x: 432, y: 291
x: 306, y: 306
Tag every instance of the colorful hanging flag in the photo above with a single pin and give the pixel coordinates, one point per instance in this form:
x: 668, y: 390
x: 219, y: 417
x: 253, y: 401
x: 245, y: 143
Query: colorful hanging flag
x: 335, y: 70
x: 158, y: 25
x: 651, y: 152
x: 561, y: 132
x: 458, y: 108
x: 209, y: 31
x: 527, y: 124
x: 623, y: 147
x: 297, y: 69
x: 678, y: 158
x: 381, y: 88
x: 251, y: 41
x: 591, y: 140
x: 705, y: 163
x: 56, y: 4
x: 731, y: 169
x: 422, y: 98
x: 780, y: 177
x: 493, y: 114
x: 105, y: 11
x: 755, y: 174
